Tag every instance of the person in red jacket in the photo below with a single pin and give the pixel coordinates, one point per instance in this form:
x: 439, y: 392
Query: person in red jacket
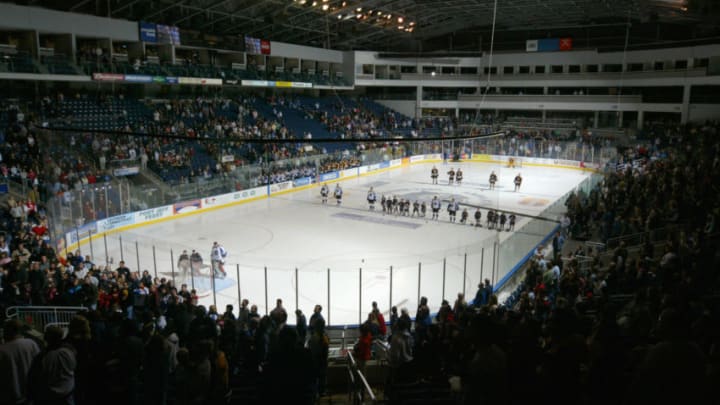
x: 381, y: 320
x: 363, y: 348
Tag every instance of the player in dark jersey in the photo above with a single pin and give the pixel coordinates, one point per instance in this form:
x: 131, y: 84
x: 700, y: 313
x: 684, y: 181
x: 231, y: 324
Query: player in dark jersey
x: 451, y: 176
x: 518, y: 182
x: 389, y: 205
x: 496, y: 220
x: 490, y: 219
x: 464, y: 216
x: 406, y: 208
x: 434, y: 175
x: 458, y: 176
x: 324, y: 191
x: 423, y: 209
x: 493, y: 180
x: 416, y: 208
x: 503, y: 219
x: 478, y: 217
x: 394, y: 204
x: 382, y: 203
x: 511, y: 222
x: 435, y: 206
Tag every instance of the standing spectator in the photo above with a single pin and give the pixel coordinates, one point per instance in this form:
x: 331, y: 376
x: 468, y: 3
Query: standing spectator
x: 319, y: 345
x: 53, y: 372
x: 16, y: 357
x: 315, y: 318
x: 301, y: 326
x: 380, y: 320
x: 363, y: 347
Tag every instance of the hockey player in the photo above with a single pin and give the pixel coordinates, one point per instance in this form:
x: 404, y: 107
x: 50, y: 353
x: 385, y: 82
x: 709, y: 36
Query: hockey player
x: 389, y: 205
x: 452, y: 209
x: 416, y: 208
x: 451, y: 176
x: 518, y: 182
x: 324, y: 191
x: 395, y: 205
x: 196, y: 262
x: 478, y: 217
x: 435, y: 206
x: 490, y: 220
x: 184, y: 263
x: 371, y: 198
x: 458, y: 176
x: 217, y: 258
x: 434, y: 175
x: 496, y: 221
x: 503, y: 219
x: 406, y: 208
x: 493, y: 180
x: 511, y: 222
x: 464, y: 216
x: 382, y: 203
x: 338, y: 194
x: 423, y: 209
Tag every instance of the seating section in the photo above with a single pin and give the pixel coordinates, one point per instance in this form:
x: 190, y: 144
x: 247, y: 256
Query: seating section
x: 17, y: 63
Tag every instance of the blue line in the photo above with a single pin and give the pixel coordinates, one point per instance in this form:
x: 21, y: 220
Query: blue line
x: 522, y: 261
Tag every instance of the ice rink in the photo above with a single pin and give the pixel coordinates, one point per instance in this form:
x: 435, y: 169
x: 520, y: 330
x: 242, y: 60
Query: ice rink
x: 304, y: 252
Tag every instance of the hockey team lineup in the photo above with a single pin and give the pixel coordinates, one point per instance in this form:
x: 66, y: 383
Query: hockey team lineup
x: 392, y: 205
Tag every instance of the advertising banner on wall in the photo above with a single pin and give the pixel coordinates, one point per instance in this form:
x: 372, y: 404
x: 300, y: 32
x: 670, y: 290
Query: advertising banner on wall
x: 329, y: 176
x: 148, y: 33
x: 115, y: 222
x: 303, y: 181
x: 126, y: 171
x: 186, y: 206
x: 153, y: 214
x: 277, y: 187
x: 108, y: 77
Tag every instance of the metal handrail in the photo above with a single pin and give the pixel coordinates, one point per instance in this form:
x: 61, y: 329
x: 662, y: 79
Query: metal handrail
x: 356, y: 374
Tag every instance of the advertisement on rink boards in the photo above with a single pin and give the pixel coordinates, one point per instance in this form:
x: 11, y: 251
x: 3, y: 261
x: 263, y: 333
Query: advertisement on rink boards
x: 395, y: 162
x: 277, y: 187
x: 329, y: 176
x: 82, y: 232
x: 349, y: 172
x: 229, y: 198
x: 303, y: 181
x: 186, y: 206
x: 153, y: 214
x: 417, y: 158
x: 115, y: 222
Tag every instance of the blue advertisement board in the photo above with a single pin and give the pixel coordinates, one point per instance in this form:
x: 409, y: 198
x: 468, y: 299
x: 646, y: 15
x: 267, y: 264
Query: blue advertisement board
x: 148, y: 32
x: 329, y: 176
x: 303, y: 181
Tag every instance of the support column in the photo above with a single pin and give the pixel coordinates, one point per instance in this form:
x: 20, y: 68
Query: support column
x: 640, y: 119
x: 620, y: 119
x: 596, y: 119
x: 418, y: 102
x: 685, y: 108
x: 544, y: 115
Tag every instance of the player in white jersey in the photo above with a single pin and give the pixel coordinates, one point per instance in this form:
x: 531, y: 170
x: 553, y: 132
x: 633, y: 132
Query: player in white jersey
x: 324, y: 191
x: 217, y: 256
x: 435, y: 206
x: 338, y: 194
x: 371, y: 198
x: 452, y: 209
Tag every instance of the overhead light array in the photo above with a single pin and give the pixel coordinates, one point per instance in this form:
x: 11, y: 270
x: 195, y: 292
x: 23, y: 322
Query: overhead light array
x: 346, y: 10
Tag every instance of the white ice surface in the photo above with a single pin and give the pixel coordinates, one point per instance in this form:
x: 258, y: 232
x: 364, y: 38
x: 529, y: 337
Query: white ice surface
x: 295, y: 231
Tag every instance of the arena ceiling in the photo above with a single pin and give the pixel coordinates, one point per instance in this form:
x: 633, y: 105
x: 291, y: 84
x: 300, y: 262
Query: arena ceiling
x: 417, y: 25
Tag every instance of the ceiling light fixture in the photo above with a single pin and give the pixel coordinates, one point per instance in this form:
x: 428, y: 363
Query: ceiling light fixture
x: 400, y: 20
x: 325, y: 7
